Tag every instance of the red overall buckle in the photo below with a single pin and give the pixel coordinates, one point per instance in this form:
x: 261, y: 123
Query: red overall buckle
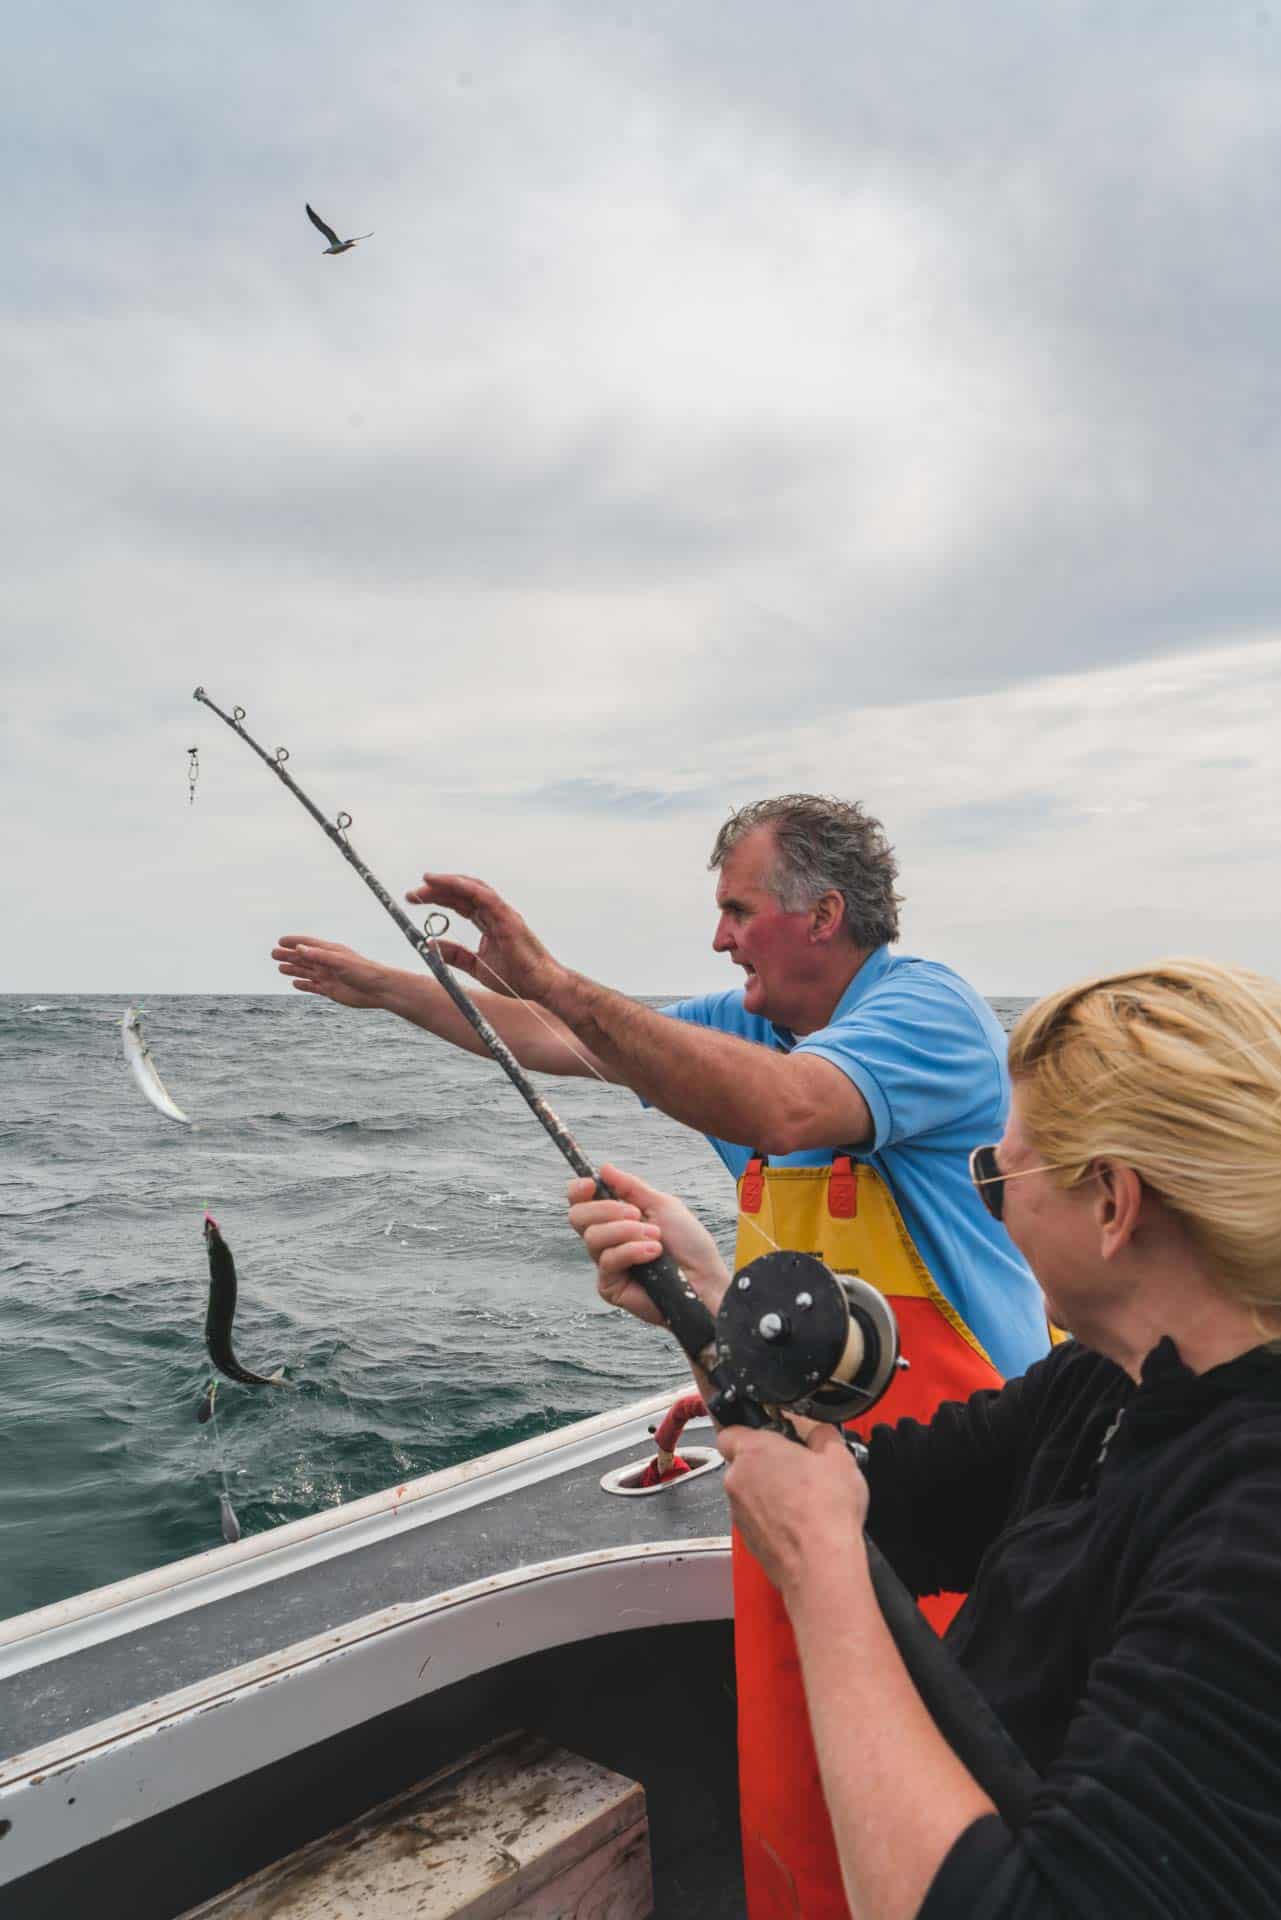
x: 753, y: 1186
x: 842, y: 1189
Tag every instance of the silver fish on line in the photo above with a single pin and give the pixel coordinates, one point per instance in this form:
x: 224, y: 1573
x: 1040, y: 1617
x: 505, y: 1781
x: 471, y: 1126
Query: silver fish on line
x: 143, y: 1067
x: 335, y: 244
x: 227, y: 1516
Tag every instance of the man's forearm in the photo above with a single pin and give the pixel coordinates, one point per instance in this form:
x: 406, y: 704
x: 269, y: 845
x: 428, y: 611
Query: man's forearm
x: 543, y: 1046
x: 714, y: 1082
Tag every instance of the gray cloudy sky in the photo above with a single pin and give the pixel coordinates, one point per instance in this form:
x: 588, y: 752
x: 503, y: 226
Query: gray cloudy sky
x: 857, y: 397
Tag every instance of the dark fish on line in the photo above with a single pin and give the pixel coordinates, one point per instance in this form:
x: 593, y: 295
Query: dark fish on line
x: 222, y: 1311
x: 230, y: 1524
x: 205, y: 1404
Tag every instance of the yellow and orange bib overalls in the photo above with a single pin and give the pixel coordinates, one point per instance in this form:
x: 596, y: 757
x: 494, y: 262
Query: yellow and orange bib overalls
x: 846, y: 1214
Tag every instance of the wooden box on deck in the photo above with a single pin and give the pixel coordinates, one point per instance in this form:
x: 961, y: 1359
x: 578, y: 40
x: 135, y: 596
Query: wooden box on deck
x: 518, y: 1830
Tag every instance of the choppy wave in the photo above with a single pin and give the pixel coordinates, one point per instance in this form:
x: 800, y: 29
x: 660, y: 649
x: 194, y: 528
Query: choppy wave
x: 397, y: 1222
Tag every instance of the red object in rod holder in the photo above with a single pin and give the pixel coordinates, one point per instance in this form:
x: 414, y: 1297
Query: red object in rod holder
x: 667, y: 1463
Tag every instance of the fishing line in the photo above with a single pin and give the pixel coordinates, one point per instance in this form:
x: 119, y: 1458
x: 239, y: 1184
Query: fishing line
x: 211, y: 1393
x: 531, y: 1006
x: 193, y: 774
x: 230, y: 1524
x: 750, y: 1221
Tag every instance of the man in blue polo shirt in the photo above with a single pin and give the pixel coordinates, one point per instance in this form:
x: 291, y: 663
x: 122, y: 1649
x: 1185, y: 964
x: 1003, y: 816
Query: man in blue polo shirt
x: 831, y: 1041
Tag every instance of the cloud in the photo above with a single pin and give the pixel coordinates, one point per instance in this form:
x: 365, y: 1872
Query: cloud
x: 980, y: 823
x: 605, y: 797
x: 841, y: 401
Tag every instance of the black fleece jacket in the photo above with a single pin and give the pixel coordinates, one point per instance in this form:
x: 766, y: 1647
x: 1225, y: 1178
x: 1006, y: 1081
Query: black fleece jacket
x: 1121, y: 1546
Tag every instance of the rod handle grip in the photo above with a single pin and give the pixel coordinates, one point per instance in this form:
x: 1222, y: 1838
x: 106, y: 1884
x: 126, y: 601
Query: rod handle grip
x: 678, y: 1303
x: 671, y: 1293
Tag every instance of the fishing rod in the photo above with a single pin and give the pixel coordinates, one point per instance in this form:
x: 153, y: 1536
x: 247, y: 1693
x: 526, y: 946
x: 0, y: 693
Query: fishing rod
x: 662, y: 1279
x: 789, y: 1335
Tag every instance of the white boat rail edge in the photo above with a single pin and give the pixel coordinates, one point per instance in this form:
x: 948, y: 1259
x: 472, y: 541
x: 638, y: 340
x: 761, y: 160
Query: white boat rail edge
x: 86, y: 1619
x: 106, y: 1778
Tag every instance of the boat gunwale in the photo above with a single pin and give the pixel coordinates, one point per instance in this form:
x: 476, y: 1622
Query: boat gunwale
x: 201, y: 1578
x: 121, y: 1786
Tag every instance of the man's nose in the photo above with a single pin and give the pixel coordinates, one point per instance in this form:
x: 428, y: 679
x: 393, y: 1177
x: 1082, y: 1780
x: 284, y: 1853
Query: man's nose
x: 722, y: 939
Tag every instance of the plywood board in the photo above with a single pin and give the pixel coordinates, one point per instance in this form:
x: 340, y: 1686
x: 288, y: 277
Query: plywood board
x: 519, y: 1830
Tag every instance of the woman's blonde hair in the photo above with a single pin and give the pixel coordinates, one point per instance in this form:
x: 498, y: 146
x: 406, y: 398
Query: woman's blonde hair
x: 1175, y: 1070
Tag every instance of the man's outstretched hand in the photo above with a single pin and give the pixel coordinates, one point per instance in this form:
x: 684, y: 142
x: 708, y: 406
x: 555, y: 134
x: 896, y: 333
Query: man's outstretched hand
x: 324, y: 967
x: 509, y: 957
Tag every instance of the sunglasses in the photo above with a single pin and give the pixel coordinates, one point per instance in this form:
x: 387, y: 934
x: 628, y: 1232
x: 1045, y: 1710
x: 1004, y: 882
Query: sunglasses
x: 989, y: 1181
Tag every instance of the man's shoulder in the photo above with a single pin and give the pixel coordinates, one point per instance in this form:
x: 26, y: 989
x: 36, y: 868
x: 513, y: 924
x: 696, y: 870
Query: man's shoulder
x: 911, y: 988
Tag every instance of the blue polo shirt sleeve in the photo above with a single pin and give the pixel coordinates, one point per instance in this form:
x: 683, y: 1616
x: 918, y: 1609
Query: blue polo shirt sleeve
x: 723, y: 1013
x: 922, y: 1056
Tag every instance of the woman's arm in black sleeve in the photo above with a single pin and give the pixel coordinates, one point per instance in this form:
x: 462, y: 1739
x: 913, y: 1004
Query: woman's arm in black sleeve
x: 942, y: 1490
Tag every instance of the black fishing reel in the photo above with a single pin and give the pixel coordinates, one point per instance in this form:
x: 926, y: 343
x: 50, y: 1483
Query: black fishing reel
x: 792, y: 1335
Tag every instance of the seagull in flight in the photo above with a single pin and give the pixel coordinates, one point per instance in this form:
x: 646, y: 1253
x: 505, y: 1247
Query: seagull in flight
x: 335, y: 244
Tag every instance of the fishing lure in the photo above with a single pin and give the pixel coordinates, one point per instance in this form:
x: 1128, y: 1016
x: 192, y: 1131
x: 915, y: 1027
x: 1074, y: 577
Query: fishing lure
x: 227, y: 1520
x: 143, y: 1067
x: 222, y: 1311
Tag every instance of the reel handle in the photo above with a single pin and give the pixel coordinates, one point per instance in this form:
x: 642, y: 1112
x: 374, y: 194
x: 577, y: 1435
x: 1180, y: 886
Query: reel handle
x: 678, y: 1303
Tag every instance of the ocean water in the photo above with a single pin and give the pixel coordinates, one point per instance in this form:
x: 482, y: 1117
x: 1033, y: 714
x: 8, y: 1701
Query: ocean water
x: 397, y: 1219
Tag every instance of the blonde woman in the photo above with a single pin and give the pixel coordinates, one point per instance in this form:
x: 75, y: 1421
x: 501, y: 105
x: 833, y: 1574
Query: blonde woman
x: 1115, y: 1513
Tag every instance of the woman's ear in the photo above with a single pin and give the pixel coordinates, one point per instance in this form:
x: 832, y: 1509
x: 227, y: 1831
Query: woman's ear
x: 1117, y: 1209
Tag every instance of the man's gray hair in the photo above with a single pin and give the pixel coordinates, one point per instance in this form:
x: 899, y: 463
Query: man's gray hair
x: 824, y: 845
